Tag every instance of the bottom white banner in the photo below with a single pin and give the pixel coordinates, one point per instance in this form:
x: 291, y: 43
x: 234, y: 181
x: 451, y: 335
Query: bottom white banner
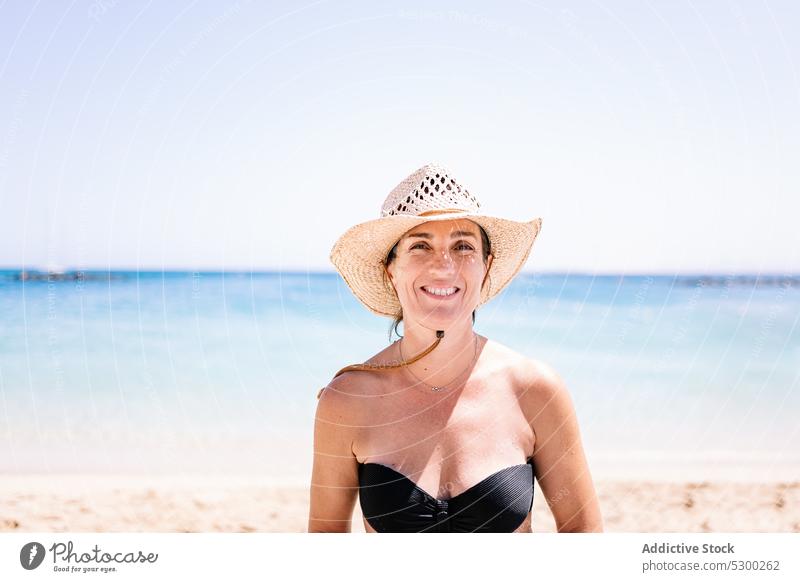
x: 265, y: 556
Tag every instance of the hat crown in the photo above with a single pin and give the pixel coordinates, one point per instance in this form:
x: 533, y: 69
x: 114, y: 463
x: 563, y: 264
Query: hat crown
x: 431, y: 187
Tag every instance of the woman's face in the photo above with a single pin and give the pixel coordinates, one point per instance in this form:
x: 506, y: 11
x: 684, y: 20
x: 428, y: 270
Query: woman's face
x: 436, y: 257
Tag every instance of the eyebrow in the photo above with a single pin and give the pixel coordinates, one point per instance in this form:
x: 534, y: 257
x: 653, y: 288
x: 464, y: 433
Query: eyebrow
x: 454, y: 234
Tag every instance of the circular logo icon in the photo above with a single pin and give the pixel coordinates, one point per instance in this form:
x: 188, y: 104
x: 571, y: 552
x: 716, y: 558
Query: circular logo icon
x: 31, y: 555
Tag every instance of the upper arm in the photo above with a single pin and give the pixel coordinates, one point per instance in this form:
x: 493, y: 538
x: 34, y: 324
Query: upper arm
x: 334, y: 476
x: 558, y: 457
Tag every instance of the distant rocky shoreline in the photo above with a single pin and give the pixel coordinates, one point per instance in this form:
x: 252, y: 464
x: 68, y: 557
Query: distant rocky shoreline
x: 50, y: 276
x: 740, y: 280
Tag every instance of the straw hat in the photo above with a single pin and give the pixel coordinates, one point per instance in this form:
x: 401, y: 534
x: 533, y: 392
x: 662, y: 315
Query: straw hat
x: 431, y: 193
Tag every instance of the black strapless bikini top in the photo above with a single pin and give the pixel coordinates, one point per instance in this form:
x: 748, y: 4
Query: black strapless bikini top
x: 391, y: 502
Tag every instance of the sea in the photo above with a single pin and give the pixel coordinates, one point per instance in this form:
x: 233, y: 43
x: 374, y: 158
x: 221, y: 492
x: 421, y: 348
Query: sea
x: 673, y: 377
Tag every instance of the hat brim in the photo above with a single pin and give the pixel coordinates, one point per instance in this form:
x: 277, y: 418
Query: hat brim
x: 360, y: 252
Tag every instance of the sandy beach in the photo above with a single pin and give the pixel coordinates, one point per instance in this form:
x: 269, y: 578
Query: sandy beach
x: 86, y: 503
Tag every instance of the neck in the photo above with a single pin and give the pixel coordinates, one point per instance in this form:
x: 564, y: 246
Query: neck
x: 448, y: 360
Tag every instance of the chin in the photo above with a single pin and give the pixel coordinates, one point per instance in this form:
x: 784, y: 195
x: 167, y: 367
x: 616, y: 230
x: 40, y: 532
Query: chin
x: 449, y: 316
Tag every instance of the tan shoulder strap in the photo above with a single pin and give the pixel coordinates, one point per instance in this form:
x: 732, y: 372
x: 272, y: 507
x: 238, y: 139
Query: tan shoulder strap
x: 422, y: 354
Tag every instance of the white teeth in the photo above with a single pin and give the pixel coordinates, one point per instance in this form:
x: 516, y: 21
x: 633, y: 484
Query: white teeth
x: 443, y: 292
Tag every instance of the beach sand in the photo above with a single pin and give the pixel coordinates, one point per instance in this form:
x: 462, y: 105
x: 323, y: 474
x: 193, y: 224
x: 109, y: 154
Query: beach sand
x: 89, y: 503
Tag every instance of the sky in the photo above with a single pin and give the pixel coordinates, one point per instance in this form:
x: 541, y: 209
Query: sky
x: 657, y: 137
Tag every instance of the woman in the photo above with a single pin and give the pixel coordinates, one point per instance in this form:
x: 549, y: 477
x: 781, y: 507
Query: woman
x: 444, y: 430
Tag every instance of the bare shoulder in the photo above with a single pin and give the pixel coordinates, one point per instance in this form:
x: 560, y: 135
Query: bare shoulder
x: 343, y: 393
x: 360, y: 382
x: 543, y: 395
x: 499, y: 357
x: 525, y: 371
x: 539, y: 377
x: 534, y: 380
x: 352, y: 388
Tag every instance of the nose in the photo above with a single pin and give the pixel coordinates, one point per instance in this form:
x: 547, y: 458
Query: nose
x: 442, y: 260
x: 443, y: 256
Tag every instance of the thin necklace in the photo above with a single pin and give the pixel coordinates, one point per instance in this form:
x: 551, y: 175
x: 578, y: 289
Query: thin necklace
x: 437, y: 388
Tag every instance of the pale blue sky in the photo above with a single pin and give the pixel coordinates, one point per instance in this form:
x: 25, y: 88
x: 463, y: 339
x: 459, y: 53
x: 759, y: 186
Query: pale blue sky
x: 649, y: 136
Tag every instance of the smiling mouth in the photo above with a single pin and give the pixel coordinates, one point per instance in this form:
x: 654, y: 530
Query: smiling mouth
x: 451, y: 292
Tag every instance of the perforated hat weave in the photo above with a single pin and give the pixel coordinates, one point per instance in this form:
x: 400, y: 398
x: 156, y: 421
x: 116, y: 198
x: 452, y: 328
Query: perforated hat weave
x: 431, y: 193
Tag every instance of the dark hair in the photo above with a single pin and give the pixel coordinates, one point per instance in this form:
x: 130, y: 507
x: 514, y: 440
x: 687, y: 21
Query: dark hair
x: 487, y: 249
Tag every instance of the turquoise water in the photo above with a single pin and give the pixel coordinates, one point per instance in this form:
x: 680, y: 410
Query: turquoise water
x: 213, y: 372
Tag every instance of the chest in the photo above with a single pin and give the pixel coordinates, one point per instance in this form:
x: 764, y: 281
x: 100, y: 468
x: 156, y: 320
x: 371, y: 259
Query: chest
x: 448, y: 442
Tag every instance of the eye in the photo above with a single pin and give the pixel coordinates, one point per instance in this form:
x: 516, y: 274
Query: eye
x: 460, y: 246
